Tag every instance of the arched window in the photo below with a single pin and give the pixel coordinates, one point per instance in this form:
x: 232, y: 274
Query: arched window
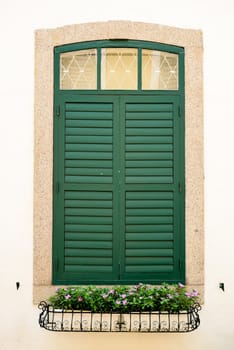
x: 118, y: 163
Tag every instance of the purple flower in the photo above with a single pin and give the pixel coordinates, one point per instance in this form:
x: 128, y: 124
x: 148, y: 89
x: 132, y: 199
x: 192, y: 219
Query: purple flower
x: 124, y: 302
x: 118, y: 302
x: 195, y: 293
x: 57, y: 290
x: 80, y: 299
x: 67, y: 296
x: 111, y: 291
x: 123, y: 296
x: 105, y: 296
x: 188, y: 295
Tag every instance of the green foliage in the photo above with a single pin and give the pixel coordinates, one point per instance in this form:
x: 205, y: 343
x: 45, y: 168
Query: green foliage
x: 141, y: 297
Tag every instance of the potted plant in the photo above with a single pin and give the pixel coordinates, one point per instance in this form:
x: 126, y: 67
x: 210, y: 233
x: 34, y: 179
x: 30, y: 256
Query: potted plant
x: 145, y: 308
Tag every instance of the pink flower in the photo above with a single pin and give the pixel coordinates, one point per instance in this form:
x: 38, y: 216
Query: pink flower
x: 67, y: 296
x: 124, y: 302
x: 180, y: 285
x: 118, y: 302
x: 80, y: 299
x: 188, y: 295
x: 105, y: 296
x: 170, y: 296
x: 111, y: 291
x: 123, y: 296
x: 195, y: 293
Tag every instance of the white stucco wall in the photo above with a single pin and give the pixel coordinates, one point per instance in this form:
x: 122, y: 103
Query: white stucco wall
x: 18, y: 20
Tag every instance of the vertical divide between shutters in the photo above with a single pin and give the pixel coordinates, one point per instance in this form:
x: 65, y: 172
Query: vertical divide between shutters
x: 118, y: 212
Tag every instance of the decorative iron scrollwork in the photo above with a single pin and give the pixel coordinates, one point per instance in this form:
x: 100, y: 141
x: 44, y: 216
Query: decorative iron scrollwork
x: 61, y: 320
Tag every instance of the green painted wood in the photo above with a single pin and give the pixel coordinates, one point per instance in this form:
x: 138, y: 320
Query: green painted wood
x: 88, y: 163
x: 88, y: 260
x: 88, y: 270
x: 149, y: 131
x: 88, y: 147
x: 150, y: 139
x: 92, y: 106
x: 149, y: 155
x: 88, y: 155
x: 149, y: 235
x: 118, y: 159
x: 70, y: 203
x: 149, y: 124
x: 73, y: 240
x: 90, y: 195
x: 69, y: 252
x: 148, y: 164
x: 154, y: 252
x: 161, y: 115
x: 88, y: 171
x: 165, y: 244
x: 150, y: 269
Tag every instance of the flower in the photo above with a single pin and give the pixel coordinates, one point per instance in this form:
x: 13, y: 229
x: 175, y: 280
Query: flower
x: 145, y: 298
x: 195, y: 293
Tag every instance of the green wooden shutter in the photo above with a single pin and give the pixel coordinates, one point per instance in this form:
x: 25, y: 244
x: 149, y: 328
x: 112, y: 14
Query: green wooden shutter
x: 83, y: 220
x: 154, y: 204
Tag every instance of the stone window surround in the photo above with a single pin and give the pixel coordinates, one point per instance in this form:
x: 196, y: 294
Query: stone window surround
x: 45, y: 41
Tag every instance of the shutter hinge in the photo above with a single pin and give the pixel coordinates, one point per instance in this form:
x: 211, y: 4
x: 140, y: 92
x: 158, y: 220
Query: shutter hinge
x: 179, y: 111
x: 180, y: 187
x: 56, y: 264
x: 180, y: 264
x: 57, y: 111
x: 57, y: 187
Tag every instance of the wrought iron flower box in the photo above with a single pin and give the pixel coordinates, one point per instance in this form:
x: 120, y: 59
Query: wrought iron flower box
x: 59, y: 320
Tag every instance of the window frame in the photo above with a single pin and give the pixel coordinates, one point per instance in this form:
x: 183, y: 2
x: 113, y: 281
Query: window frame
x: 46, y: 41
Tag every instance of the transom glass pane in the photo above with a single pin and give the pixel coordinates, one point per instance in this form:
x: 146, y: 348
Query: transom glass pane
x: 119, y: 69
x: 78, y: 69
x: 159, y: 70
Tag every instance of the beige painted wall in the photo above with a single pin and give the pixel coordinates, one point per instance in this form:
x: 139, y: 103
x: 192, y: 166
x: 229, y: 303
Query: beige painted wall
x: 18, y: 21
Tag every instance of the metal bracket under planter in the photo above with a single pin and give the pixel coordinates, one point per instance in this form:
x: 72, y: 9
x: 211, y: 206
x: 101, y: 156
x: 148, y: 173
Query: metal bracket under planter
x: 61, y: 320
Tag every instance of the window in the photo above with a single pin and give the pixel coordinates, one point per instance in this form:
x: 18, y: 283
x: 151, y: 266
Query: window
x: 46, y: 113
x: 118, y: 164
